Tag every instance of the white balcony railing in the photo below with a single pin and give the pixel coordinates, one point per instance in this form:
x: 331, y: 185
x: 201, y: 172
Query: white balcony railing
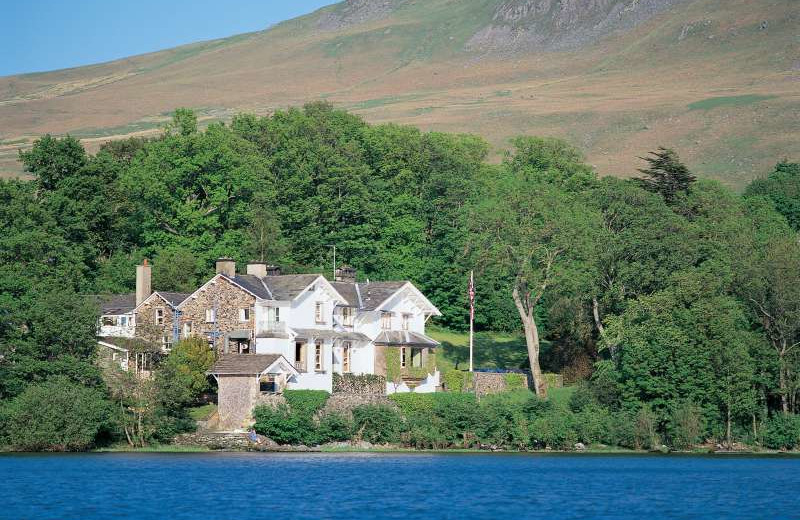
x: 271, y: 327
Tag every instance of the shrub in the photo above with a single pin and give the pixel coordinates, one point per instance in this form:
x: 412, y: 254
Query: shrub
x: 644, y: 429
x: 57, y: 415
x: 413, y: 405
x: 554, y: 429
x: 306, y: 402
x: 457, y: 380
x: 285, y: 426
x: 377, y: 423
x: 594, y: 424
x: 185, y: 369
x: 685, y: 425
x: 581, y: 397
x: 516, y: 382
x: 334, y: 427
x: 782, y: 431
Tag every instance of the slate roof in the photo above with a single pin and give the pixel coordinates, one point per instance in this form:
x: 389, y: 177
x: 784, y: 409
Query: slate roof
x: 243, y: 364
x: 349, y: 292
x: 375, y: 293
x: 399, y: 338
x: 113, y: 304
x: 173, y: 298
x: 284, y: 287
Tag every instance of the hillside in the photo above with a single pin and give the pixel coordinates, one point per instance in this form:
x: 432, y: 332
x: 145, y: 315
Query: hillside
x: 718, y: 80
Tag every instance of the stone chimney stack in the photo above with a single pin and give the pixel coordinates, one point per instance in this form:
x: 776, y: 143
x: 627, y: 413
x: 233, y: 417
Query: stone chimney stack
x: 345, y: 273
x: 143, y: 282
x: 257, y: 269
x: 226, y: 266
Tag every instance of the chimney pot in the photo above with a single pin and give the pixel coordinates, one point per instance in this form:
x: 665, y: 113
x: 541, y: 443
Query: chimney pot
x: 143, y: 282
x: 345, y: 273
x: 226, y: 266
x: 257, y: 269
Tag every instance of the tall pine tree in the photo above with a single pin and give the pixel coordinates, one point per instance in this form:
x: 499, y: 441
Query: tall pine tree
x: 666, y: 174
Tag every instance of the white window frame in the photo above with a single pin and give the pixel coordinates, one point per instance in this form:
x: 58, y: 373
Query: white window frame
x: 319, y: 356
x: 244, y: 314
x: 386, y: 320
x: 346, y: 355
x: 348, y: 316
x: 166, y: 342
x: 403, y: 358
x: 211, y: 316
x: 319, y: 312
x: 406, y: 323
x: 159, y: 315
x: 187, y: 329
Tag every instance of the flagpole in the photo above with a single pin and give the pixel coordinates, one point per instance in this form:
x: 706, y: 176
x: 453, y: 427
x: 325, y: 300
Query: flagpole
x: 471, y: 314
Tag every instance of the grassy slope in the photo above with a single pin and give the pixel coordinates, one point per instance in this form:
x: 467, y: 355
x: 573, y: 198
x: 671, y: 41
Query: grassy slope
x: 725, y: 95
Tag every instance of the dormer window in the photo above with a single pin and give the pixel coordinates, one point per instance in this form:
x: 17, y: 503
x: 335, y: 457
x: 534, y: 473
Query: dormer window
x: 386, y: 320
x: 347, y: 316
x: 406, y: 321
x: 159, y: 316
x: 319, y: 312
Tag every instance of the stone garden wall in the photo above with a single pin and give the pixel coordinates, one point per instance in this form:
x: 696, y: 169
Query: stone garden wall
x: 368, y: 384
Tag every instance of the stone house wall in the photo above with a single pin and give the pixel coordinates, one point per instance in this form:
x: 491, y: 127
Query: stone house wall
x: 236, y: 397
x: 227, y: 299
x: 146, y: 326
x: 359, y: 384
x: 344, y: 403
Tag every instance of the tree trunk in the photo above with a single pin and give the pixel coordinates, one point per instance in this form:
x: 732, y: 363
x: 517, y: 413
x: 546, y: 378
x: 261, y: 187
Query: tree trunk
x: 532, y: 342
x: 782, y: 381
x: 728, y: 428
x: 599, y: 324
x: 526, y: 313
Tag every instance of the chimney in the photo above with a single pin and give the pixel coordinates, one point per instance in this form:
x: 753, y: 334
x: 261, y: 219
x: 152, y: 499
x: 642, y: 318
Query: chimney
x: 257, y: 269
x: 273, y: 270
x: 143, y: 278
x: 345, y: 273
x: 226, y: 266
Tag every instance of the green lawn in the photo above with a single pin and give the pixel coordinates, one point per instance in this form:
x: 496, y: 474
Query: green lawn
x: 201, y: 413
x: 727, y: 101
x: 491, y: 349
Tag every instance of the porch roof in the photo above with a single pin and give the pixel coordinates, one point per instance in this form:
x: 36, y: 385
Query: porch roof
x: 330, y: 334
x: 246, y: 364
x: 403, y: 338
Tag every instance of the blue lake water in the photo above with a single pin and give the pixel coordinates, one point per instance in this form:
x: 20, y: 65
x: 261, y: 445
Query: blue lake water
x: 402, y: 486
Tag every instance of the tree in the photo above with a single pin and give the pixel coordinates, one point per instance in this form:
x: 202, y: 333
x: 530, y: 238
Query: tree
x: 52, y: 160
x: 541, y: 237
x: 782, y: 187
x: 666, y: 174
x: 56, y: 415
x: 182, y: 376
x: 184, y: 122
x: 772, y: 288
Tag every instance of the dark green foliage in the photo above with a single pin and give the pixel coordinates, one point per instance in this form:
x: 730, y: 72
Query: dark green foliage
x: 306, y: 402
x: 782, y: 187
x: 296, y: 422
x: 666, y: 174
x: 284, y: 426
x: 782, y: 431
x: 56, y: 415
x: 686, y: 294
x: 378, y: 424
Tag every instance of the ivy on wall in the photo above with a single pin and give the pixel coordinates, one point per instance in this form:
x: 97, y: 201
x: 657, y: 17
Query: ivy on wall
x: 395, y: 373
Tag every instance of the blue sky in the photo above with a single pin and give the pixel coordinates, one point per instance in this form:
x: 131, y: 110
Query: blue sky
x: 38, y: 35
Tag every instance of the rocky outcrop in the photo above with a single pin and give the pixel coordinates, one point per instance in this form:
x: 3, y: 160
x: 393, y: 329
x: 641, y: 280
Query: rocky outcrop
x: 520, y: 26
x: 354, y: 12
